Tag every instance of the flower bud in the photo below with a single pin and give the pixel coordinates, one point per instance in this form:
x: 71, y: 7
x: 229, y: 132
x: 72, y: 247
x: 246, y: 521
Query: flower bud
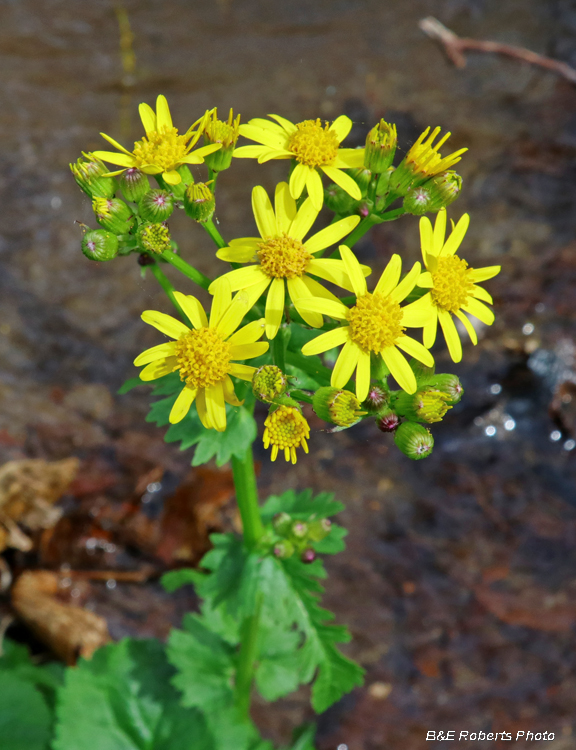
x: 426, y: 405
x: 438, y: 192
x: 377, y: 398
x: 134, y: 184
x: 338, y: 200
x: 381, y: 144
x: 299, y: 529
x: 97, y: 244
x: 387, y: 420
x: 449, y: 384
x: 269, y: 383
x: 153, y: 238
x: 199, y: 201
x: 361, y: 177
x: 414, y: 440
x: 308, y: 556
x: 282, y: 523
x: 337, y: 406
x: 113, y: 214
x: 421, y: 371
x: 319, y: 529
x: 88, y: 173
x: 225, y: 133
x: 156, y: 206
x: 365, y: 207
x: 283, y: 549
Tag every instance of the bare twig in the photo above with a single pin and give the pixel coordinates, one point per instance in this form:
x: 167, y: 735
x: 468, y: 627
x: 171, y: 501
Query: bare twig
x: 455, y: 46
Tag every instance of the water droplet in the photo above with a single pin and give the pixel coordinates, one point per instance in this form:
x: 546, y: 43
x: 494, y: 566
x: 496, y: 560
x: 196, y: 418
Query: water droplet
x: 75, y: 593
x: 555, y: 436
x: 569, y: 445
x: 154, y: 487
x: 527, y: 329
x: 342, y: 747
x: 496, y: 388
x: 509, y: 424
x: 490, y: 430
x: 540, y: 307
x: 110, y: 583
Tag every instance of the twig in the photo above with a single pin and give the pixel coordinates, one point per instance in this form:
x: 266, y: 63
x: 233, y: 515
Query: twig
x: 455, y: 46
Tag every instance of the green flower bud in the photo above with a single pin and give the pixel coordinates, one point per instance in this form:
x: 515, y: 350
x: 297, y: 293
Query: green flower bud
x: 88, y: 173
x: 156, y: 206
x: 225, y: 133
x: 426, y: 405
x: 97, y: 244
x: 284, y: 549
x: 113, y: 214
x: 319, y: 529
x: 134, y: 184
x: 339, y: 201
x: 361, y: 177
x: 381, y: 144
x: 387, y: 420
x: 199, y: 201
x: 282, y: 523
x: 440, y: 191
x: 376, y: 399
x: 414, y: 440
x: 153, y: 238
x: 299, y: 529
x: 337, y: 406
x: 269, y: 383
x: 449, y: 384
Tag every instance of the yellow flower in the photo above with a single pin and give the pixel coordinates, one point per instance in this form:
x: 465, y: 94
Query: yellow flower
x: 286, y: 430
x: 423, y: 161
x: 313, y: 145
x: 162, y: 150
x: 375, y: 325
x: 203, y: 354
x: 284, y: 257
x: 453, y: 285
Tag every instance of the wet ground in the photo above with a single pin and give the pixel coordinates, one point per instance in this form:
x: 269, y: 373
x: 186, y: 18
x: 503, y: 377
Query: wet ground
x: 459, y: 580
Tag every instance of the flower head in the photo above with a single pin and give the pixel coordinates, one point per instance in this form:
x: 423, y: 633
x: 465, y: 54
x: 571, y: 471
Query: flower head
x: 452, y: 284
x: 286, y: 430
x: 163, y: 149
x: 313, y: 144
x: 204, y: 354
x: 423, y: 161
x: 283, y: 257
x: 374, y: 327
x: 225, y: 133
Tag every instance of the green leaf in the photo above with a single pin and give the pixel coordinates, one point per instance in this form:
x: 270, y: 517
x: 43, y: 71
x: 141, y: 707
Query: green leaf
x: 122, y: 699
x: 303, y: 738
x: 129, y: 385
x: 175, y: 579
x: 16, y: 659
x: 25, y: 718
x: 301, y: 505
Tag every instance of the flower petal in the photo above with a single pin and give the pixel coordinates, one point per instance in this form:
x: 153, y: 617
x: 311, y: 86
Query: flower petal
x: 363, y: 376
x: 415, y: 349
x: 399, y: 368
x: 165, y: 323
x: 450, y: 334
x: 238, y: 253
x: 148, y: 117
x: 260, y: 122
x: 288, y: 126
x: 454, y: 241
x: 193, y: 309
x: 244, y: 372
x: 229, y: 393
x: 215, y: 406
x: 483, y: 274
x: 297, y: 290
x: 418, y: 314
x: 123, y: 160
x: 114, y: 143
x: 325, y: 306
x: 345, y: 364
x: 249, y: 333
x: 240, y: 278
x: 354, y: 271
x: 303, y: 220
x: 172, y: 177
x: 468, y: 326
x: 407, y: 284
x: 315, y: 189
x: 298, y: 180
x: 344, y: 181
x: 272, y: 138
x: 341, y: 126
x: 182, y: 404
x: 158, y: 369
x: 249, y: 351
x: 439, y: 231
x: 317, y: 290
x: 249, y: 152
x: 161, y: 351
x: 163, y: 117
x: 233, y: 316
x: 201, y: 408
x: 284, y: 208
x: 274, y: 153
x: 331, y: 234
x: 349, y: 158
x: 390, y: 276
x: 479, y: 310
x: 274, y: 307
x: 263, y: 213
x: 430, y: 329
x: 326, y: 341
x: 333, y: 270
x: 479, y: 293
x: 426, y: 238
x: 425, y: 280
x: 221, y: 301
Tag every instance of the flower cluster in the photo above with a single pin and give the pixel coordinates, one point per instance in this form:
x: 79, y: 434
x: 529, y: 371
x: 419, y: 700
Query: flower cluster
x: 286, y: 277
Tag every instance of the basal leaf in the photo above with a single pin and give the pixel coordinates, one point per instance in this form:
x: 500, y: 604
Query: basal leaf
x: 25, y: 718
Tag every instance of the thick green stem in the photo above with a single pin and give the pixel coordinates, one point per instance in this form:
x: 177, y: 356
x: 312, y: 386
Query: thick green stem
x: 196, y: 276
x: 246, y: 660
x: 247, y: 497
x: 168, y: 288
x: 210, y: 228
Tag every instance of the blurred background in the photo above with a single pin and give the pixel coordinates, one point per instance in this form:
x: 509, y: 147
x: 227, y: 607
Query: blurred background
x: 459, y: 579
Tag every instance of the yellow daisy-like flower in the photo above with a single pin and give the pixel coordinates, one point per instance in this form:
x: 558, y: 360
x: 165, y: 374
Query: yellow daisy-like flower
x: 375, y: 325
x: 423, y: 161
x: 313, y: 145
x: 204, y: 354
x: 452, y: 284
x: 285, y: 258
x: 162, y: 150
x: 286, y: 430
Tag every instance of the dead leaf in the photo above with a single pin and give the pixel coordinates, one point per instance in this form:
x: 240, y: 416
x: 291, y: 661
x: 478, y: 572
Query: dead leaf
x: 530, y: 608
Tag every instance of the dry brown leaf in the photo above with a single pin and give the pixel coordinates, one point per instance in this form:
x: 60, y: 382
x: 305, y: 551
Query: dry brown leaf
x: 69, y: 631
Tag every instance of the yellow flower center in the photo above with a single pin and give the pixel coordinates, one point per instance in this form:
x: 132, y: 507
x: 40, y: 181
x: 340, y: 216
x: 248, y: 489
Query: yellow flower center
x: 165, y: 149
x: 313, y: 144
x: 283, y: 257
x: 286, y: 430
x: 452, y: 287
x: 203, y: 357
x: 375, y: 322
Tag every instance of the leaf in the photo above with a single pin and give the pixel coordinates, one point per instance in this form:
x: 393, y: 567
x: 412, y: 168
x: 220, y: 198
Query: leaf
x: 175, y: 579
x: 25, y: 718
x: 303, y: 738
x: 301, y: 505
x: 16, y: 659
x: 129, y: 385
x: 122, y: 699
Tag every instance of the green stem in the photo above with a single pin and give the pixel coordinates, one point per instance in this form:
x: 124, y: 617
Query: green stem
x: 186, y: 269
x: 246, y: 660
x: 213, y: 176
x: 279, y: 350
x: 210, y: 228
x: 301, y: 396
x: 247, y: 497
x: 168, y: 288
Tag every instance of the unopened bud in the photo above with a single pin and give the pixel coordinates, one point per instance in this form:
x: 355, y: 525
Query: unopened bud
x: 156, y: 206
x: 308, y: 556
x: 337, y: 406
x: 98, y: 244
x: 88, y: 172
x: 438, y: 192
x: 134, y: 184
x: 113, y: 214
x: 282, y: 523
x: 283, y: 549
x: 154, y: 238
x: 449, y: 384
x: 269, y: 383
x: 414, y: 440
x: 387, y: 420
x: 199, y: 201
x: 319, y: 529
x: 361, y: 177
x: 426, y: 405
x: 377, y: 398
x: 380, y: 148
x: 299, y: 529
x: 365, y: 207
x: 225, y: 133
x: 338, y: 200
